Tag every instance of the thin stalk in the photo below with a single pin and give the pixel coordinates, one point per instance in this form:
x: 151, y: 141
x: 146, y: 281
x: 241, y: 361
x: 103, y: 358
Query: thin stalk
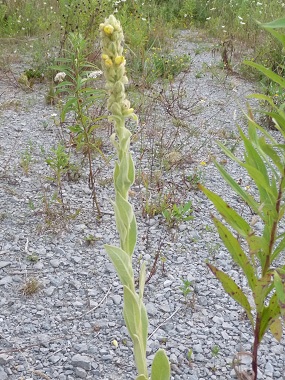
x: 255, y: 346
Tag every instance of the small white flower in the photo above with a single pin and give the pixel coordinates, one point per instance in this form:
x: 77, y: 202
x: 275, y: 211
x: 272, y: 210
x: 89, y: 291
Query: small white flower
x: 208, y: 18
x: 240, y: 18
x: 59, y: 76
x: 242, y: 23
x: 213, y: 9
x: 94, y: 74
x: 223, y: 26
x: 116, y: 10
x: 144, y: 19
x: 258, y: 3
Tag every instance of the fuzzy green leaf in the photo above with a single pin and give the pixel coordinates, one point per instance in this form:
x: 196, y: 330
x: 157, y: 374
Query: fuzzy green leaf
x: 144, y: 325
x: 126, y: 223
x: 122, y: 263
x: 230, y: 215
x: 160, y: 369
x: 142, y: 280
x: 233, y: 290
x: 131, y: 311
x: 141, y: 377
x: 140, y: 355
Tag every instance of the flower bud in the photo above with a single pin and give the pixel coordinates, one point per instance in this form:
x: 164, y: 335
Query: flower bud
x: 108, y: 30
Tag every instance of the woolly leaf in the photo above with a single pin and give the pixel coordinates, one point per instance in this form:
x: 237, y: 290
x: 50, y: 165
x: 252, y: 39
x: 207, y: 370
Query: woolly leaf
x: 122, y: 263
x: 160, y: 369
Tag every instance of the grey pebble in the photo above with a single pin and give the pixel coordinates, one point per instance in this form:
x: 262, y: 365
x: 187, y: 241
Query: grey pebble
x: 81, y: 361
x: 117, y: 299
x: 4, y: 359
x: 50, y: 290
x: 4, y: 264
x: 3, y: 374
x: 6, y: 280
x: 80, y: 372
x: 55, y: 263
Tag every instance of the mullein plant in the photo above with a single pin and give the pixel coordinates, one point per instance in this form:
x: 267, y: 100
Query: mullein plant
x: 135, y: 315
x: 262, y: 263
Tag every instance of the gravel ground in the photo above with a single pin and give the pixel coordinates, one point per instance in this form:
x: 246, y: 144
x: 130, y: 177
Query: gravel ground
x: 65, y: 330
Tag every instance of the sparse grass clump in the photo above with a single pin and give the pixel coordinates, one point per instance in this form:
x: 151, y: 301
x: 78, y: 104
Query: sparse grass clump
x: 31, y: 286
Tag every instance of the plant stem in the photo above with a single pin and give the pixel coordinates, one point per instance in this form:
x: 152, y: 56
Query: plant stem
x: 256, y: 345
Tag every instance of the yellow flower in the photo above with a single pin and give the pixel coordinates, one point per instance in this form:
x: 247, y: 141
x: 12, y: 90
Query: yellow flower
x: 108, y: 30
x: 105, y: 56
x: 115, y: 343
x: 203, y: 163
x: 119, y: 60
x: 108, y: 62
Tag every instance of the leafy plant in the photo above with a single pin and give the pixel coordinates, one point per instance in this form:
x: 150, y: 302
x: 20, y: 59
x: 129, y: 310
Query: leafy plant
x: 135, y: 314
x: 186, y: 288
x: 178, y: 213
x: 26, y: 159
x: 59, y: 162
x: 76, y: 76
x: 166, y: 66
x: 261, y: 263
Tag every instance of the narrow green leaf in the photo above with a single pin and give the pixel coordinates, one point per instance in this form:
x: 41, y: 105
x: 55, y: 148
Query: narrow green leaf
x: 142, y: 280
x: 265, y: 189
x: 276, y: 329
x: 269, y: 73
x: 261, y: 290
x: 160, y: 369
x: 237, y: 254
x: 122, y: 263
x: 233, y: 290
x: 270, y: 152
x: 268, y: 315
x: 279, y: 287
x: 280, y: 247
x: 279, y: 23
x: 262, y: 97
x: 238, y: 189
x: 144, y: 325
x: 231, y: 216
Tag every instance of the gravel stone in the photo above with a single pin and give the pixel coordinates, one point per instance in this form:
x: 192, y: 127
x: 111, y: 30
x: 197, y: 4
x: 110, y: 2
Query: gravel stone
x: 4, y: 264
x: 80, y: 372
x: 81, y: 361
